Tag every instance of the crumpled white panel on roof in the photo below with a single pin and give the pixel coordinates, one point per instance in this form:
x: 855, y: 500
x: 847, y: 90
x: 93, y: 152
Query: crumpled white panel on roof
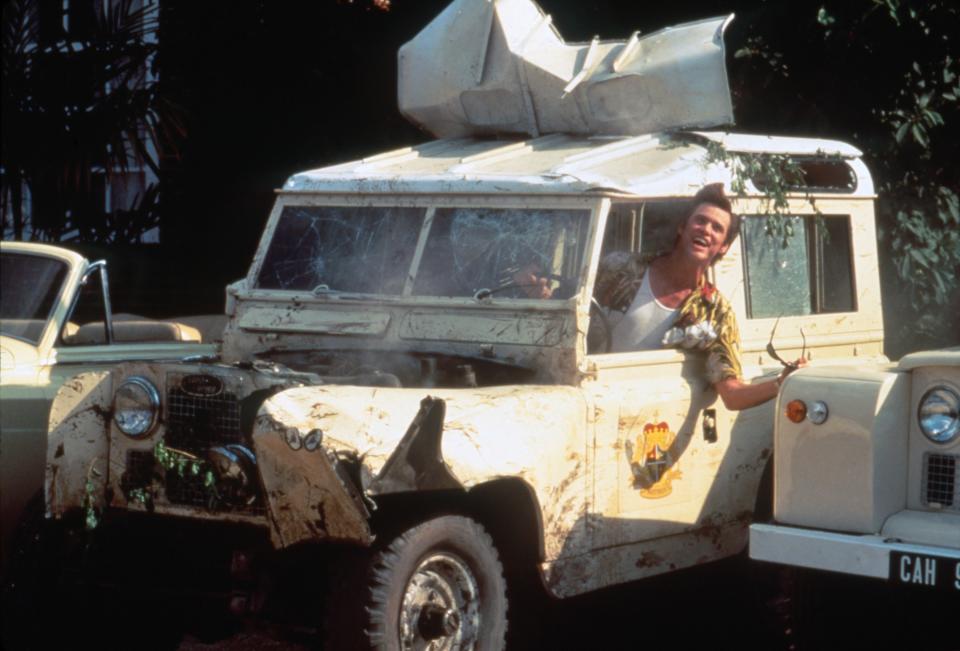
x: 499, y: 67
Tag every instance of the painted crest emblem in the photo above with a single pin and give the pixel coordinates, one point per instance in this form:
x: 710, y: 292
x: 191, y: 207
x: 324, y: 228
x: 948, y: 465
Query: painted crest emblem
x: 651, y: 462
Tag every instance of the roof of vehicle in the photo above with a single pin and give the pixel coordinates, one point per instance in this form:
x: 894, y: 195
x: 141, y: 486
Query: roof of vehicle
x: 34, y: 248
x: 649, y: 165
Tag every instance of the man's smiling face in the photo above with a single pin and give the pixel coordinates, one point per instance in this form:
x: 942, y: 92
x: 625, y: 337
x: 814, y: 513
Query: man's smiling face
x: 704, y: 235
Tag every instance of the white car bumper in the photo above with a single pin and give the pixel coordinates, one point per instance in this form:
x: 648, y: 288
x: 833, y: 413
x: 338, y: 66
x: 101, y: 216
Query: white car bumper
x: 863, y: 555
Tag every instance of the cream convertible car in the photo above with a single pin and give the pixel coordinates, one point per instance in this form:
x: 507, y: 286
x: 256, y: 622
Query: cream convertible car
x: 55, y: 322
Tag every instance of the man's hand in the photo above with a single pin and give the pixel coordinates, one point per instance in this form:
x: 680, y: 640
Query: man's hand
x: 529, y: 280
x: 738, y: 395
x: 800, y: 362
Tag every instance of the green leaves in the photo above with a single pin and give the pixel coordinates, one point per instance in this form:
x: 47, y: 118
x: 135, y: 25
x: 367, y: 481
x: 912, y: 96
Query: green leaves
x: 77, y: 110
x: 925, y: 241
x: 186, y: 465
x: 91, y: 515
x: 825, y: 19
x: 775, y: 175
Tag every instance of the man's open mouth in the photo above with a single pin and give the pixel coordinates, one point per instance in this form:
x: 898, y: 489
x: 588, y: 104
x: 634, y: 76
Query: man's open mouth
x: 700, y: 241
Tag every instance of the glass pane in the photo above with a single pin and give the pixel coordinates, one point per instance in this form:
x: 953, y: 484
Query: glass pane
x: 501, y: 250
x: 89, y: 307
x: 779, y: 278
x: 654, y: 224
x: 362, y: 249
x: 835, y: 275
x: 29, y: 286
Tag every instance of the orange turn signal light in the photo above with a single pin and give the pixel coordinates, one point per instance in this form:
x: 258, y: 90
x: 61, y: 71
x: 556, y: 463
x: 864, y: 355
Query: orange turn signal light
x: 796, y: 410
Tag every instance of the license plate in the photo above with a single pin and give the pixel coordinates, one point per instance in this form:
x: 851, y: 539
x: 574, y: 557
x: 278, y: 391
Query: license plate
x: 925, y: 570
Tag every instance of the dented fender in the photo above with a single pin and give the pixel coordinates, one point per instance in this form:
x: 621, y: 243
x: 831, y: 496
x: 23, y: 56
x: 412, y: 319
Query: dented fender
x: 307, y: 498
x: 78, y: 443
x: 407, y: 440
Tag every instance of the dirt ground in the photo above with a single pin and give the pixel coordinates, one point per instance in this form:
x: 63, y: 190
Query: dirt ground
x: 712, y: 607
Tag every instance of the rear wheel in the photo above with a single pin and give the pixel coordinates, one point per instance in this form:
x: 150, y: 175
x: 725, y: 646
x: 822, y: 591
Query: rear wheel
x: 437, y: 586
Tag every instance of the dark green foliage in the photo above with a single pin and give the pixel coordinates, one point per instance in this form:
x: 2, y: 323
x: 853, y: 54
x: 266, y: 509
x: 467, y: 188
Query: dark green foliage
x: 78, y: 108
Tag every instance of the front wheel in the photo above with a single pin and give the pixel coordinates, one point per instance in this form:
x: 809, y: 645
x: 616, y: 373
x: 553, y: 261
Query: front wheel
x: 437, y: 586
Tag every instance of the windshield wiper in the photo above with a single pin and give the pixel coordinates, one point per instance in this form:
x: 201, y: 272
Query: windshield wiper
x: 323, y: 289
x: 485, y: 293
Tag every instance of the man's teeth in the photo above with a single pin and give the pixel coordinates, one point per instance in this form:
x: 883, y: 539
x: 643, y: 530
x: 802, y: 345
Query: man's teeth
x: 700, y: 241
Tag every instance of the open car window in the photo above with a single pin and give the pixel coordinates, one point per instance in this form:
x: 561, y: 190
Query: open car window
x: 648, y: 228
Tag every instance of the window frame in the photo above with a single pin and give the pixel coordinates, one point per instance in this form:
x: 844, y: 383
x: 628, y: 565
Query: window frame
x: 815, y: 258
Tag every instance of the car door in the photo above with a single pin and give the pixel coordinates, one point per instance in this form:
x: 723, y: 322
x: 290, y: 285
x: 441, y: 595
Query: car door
x: 660, y: 433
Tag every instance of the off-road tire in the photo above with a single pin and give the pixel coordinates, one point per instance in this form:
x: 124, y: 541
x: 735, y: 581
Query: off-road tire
x: 369, y: 614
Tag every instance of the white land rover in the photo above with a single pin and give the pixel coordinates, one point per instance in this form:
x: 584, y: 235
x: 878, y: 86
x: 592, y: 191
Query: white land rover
x: 865, y: 481
x: 388, y: 394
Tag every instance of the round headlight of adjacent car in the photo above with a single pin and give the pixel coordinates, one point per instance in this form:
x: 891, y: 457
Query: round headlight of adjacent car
x: 135, y: 406
x: 939, y: 414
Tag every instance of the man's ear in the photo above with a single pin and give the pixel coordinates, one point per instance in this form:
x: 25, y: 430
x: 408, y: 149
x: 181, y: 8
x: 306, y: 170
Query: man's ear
x: 723, y: 251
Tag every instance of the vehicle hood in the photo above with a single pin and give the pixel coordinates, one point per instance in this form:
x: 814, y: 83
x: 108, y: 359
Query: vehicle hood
x: 508, y: 430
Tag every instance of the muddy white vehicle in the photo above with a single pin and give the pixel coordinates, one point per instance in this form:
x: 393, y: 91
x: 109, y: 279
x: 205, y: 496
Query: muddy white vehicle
x: 866, y: 486
x: 388, y: 388
x: 55, y: 322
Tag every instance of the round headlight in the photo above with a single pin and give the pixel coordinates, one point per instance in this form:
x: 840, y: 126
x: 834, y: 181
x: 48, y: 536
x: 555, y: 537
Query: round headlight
x: 135, y: 406
x: 938, y: 414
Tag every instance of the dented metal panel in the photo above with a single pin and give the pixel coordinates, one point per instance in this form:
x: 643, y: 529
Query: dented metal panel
x: 487, y: 433
x: 493, y: 67
x: 308, y: 500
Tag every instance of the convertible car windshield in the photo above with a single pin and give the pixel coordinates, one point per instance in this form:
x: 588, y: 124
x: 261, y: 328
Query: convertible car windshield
x: 29, y: 286
x: 380, y: 250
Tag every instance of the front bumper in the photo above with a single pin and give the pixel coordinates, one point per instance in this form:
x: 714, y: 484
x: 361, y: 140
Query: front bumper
x: 860, y: 555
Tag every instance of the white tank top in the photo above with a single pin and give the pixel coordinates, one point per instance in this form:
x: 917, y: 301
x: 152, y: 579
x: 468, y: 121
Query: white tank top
x: 644, y: 323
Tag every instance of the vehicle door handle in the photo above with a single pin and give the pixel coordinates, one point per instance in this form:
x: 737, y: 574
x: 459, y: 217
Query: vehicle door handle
x: 710, y: 425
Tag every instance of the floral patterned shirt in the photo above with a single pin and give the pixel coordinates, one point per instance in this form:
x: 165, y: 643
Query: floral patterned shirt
x: 705, y: 320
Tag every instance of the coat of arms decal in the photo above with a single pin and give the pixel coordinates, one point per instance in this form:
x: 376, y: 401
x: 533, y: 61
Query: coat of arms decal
x: 651, y: 462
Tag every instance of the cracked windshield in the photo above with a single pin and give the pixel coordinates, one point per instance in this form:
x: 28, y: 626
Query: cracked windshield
x: 502, y: 252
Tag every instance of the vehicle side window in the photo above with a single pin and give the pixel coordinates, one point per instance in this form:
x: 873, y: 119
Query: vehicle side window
x: 649, y: 227
x: 810, y: 273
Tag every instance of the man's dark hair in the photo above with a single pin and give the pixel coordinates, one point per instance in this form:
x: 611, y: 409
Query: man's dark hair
x: 713, y: 195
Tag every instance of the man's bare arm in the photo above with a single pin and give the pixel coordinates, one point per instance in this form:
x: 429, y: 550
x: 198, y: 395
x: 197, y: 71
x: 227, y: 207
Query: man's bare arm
x: 737, y: 395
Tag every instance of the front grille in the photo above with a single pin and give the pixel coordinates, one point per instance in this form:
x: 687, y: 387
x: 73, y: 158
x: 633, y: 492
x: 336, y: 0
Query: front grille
x: 195, y: 423
x: 139, y: 470
x: 940, y: 485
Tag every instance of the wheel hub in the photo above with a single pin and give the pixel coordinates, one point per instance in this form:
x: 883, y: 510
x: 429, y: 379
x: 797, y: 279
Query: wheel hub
x: 436, y: 622
x: 441, y: 606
